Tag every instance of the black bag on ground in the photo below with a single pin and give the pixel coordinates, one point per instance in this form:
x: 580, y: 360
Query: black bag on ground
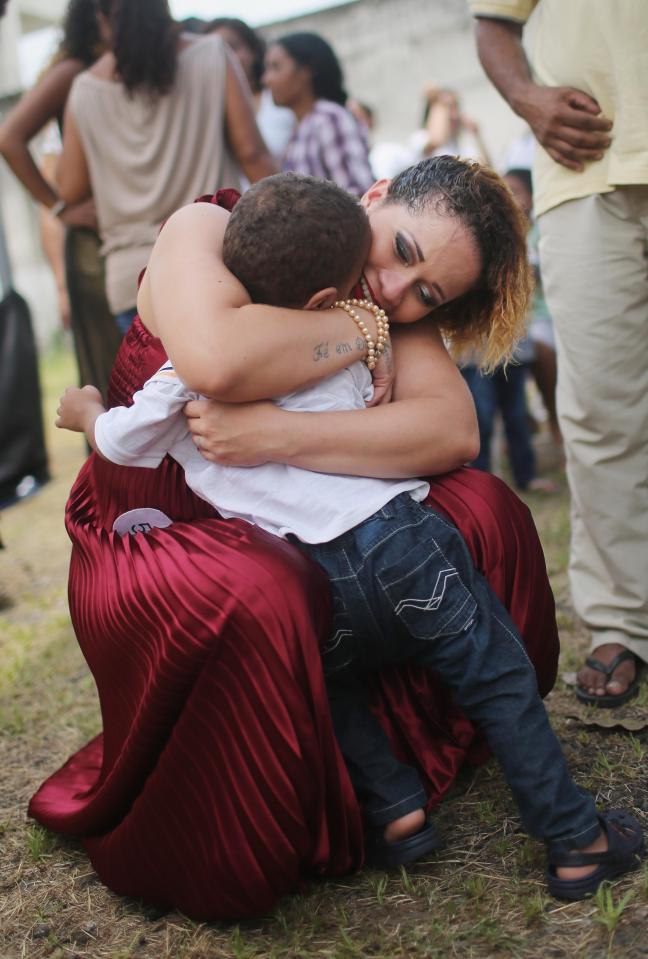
x: 22, y: 443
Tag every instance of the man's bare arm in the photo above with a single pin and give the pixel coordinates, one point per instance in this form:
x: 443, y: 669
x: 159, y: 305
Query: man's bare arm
x: 567, y: 122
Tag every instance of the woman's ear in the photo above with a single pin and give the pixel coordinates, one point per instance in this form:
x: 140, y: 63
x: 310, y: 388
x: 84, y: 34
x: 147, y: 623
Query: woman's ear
x: 323, y: 299
x: 375, y: 193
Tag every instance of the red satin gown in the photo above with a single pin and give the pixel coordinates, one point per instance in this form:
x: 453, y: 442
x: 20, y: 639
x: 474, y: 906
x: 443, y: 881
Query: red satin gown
x: 217, y: 786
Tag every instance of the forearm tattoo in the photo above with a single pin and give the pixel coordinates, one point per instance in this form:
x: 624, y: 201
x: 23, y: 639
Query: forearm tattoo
x: 321, y: 351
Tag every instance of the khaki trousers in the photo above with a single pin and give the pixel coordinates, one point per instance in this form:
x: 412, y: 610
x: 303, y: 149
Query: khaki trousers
x: 593, y: 256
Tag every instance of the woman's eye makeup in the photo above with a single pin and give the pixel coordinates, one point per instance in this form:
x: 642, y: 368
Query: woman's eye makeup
x: 402, y: 249
x: 404, y: 254
x: 426, y: 299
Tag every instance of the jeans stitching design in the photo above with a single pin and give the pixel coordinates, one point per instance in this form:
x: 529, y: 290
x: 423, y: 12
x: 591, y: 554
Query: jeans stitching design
x: 433, y: 601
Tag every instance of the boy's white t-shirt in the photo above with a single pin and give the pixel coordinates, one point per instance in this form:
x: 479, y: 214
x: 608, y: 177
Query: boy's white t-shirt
x: 315, y: 507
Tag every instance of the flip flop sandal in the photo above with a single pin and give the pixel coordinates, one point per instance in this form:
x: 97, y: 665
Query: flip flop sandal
x: 624, y: 852
x: 609, y: 700
x: 380, y: 853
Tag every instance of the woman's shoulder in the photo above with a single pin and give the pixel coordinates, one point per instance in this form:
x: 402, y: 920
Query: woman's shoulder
x: 192, y: 46
x: 327, y: 113
x: 103, y: 68
x: 329, y: 108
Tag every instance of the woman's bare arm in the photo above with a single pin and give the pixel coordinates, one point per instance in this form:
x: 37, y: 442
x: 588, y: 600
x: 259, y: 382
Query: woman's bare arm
x: 246, y: 143
x: 220, y: 344
x: 430, y: 428
x: 73, y: 176
x: 36, y: 108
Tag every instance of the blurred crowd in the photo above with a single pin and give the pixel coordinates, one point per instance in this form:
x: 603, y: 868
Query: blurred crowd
x: 137, y: 115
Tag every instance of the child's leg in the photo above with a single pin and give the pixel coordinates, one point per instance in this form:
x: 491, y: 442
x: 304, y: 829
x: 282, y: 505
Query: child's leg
x: 391, y: 792
x: 387, y: 788
x: 451, y: 622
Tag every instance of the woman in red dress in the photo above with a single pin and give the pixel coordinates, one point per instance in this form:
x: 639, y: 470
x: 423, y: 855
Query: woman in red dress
x: 217, y: 786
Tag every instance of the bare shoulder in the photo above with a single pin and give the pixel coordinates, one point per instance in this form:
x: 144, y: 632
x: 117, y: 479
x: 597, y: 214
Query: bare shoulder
x: 185, y: 270
x: 104, y: 67
x: 195, y: 227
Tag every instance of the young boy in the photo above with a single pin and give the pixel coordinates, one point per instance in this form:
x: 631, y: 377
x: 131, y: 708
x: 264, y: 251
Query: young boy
x: 403, y: 584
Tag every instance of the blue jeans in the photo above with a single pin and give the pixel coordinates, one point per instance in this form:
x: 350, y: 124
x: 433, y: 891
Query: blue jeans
x: 125, y: 318
x: 504, y: 391
x: 405, y: 589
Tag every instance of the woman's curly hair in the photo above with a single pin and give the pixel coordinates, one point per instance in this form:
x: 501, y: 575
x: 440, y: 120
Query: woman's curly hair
x: 144, y: 42
x: 490, y: 318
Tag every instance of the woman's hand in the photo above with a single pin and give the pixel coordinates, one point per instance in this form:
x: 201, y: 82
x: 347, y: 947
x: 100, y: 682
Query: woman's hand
x: 383, y: 378
x: 234, y: 434
x: 80, y: 214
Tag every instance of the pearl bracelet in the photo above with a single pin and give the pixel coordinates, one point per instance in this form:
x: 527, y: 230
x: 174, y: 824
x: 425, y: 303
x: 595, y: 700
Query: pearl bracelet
x: 374, y: 350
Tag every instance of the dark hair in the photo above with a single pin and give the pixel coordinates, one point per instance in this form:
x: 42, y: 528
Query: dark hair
x: 248, y: 38
x: 523, y: 174
x: 144, y: 40
x: 81, y: 38
x: 291, y: 235
x: 312, y: 51
x: 491, y: 316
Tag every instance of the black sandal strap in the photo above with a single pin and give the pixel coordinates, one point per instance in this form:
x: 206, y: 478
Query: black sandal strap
x: 608, y: 670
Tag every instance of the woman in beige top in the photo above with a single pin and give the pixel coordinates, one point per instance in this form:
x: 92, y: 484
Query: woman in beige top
x: 160, y: 119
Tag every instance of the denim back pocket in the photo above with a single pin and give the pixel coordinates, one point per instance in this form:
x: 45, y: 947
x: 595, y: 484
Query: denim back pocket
x: 426, y: 592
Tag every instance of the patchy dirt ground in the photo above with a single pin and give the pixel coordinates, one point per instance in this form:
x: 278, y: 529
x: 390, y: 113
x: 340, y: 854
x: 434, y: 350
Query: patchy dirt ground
x: 482, y: 897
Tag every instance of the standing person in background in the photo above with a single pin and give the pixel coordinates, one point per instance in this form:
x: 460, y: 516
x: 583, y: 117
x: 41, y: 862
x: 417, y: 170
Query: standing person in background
x: 69, y: 232
x: 542, y: 341
x: 444, y: 131
x: 303, y: 73
x: 161, y: 118
x: 587, y: 104
x: 504, y: 389
x: 275, y: 124
x: 447, y: 130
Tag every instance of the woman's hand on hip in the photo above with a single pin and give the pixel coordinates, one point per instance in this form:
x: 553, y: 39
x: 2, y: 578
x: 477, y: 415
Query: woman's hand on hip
x: 234, y: 434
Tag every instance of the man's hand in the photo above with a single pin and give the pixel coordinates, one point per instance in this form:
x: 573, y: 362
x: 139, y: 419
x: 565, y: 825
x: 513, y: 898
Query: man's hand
x: 567, y: 123
x: 79, y: 408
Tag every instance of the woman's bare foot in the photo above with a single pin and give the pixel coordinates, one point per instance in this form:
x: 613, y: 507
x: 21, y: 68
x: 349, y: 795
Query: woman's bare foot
x: 598, y: 684
x: 406, y: 826
x: 600, y: 844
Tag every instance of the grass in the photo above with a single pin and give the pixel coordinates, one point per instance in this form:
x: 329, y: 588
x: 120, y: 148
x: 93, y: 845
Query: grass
x: 482, y: 896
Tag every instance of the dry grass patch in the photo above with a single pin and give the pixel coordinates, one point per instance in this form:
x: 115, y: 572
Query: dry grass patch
x: 483, y: 896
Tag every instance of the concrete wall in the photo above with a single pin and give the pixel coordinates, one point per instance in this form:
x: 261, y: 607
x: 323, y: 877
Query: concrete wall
x: 392, y: 49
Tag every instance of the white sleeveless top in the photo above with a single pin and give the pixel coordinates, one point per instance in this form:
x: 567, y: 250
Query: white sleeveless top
x: 315, y: 507
x: 148, y: 157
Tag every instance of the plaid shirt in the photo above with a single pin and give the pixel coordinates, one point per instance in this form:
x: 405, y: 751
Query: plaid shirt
x: 330, y: 144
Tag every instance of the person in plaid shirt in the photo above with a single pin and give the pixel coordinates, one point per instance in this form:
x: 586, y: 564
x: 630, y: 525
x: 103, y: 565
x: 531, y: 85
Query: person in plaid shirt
x: 303, y: 73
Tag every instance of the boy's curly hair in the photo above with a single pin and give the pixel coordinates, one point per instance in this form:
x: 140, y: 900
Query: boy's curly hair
x: 490, y: 318
x: 291, y: 235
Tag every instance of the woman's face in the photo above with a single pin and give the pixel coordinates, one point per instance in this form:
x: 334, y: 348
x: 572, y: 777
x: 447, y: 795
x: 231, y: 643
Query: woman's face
x: 417, y: 261
x: 284, y: 77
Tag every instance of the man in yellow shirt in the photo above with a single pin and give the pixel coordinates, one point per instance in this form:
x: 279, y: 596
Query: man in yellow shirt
x: 586, y: 99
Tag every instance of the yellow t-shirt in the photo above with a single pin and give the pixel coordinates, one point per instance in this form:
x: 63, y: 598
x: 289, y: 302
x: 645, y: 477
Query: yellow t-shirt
x: 601, y: 48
